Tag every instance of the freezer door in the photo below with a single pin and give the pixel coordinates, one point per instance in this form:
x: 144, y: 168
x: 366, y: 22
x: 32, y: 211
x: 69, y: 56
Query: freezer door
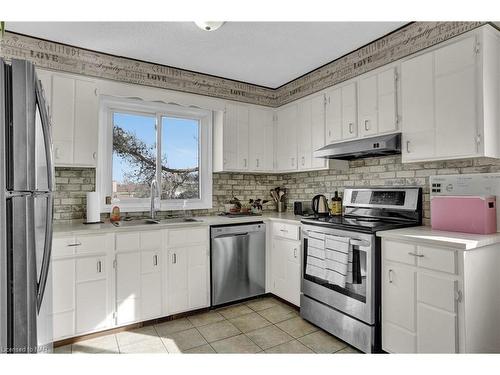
x: 3, y: 226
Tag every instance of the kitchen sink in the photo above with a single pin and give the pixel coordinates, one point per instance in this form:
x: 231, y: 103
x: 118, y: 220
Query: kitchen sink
x: 173, y: 220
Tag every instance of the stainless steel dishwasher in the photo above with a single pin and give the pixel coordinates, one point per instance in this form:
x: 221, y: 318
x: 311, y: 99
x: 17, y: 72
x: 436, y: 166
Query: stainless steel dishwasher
x: 238, y: 262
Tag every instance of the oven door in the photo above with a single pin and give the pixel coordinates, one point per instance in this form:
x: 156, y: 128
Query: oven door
x: 357, y: 297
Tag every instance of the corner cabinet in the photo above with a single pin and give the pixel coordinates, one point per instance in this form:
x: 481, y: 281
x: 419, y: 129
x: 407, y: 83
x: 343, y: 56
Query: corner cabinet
x: 73, y: 108
x: 449, y: 99
x: 437, y: 299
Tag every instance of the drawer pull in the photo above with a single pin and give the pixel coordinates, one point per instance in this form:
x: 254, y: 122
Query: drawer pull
x: 416, y: 255
x: 284, y: 230
x: 174, y: 260
x: 155, y: 260
x: 75, y: 244
x: 390, y: 276
x: 99, y: 266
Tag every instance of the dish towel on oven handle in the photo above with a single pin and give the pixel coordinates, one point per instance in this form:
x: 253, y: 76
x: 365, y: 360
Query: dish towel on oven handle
x: 342, y: 261
x: 315, y: 262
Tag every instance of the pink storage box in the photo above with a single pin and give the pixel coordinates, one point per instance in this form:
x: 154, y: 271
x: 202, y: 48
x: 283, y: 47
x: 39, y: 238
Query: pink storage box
x: 468, y: 214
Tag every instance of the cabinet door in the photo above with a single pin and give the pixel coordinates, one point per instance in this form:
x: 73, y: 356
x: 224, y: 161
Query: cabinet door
x: 261, y: 139
x: 85, y: 122
x: 349, y: 111
x: 63, y: 299
x: 455, y: 99
x: 286, y: 138
x: 128, y: 287
x: 177, y: 284
x: 387, y: 101
x: 368, y: 100
x: 437, y: 330
x: 63, y: 121
x: 318, y: 129
x: 91, y: 294
x: 304, y: 133
x: 230, y: 137
x: 151, y: 285
x: 242, y: 137
x: 333, y: 114
x: 417, y: 95
x: 279, y: 258
x: 293, y: 274
x: 198, y: 289
x: 398, y: 308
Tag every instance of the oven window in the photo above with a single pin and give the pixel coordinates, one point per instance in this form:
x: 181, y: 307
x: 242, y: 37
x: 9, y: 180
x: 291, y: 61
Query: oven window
x: 351, y: 283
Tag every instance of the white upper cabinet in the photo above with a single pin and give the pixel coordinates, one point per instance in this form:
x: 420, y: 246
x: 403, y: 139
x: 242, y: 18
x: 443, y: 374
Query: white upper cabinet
x: 304, y: 134
x: 333, y: 115
x: 73, y: 107
x: 243, y: 139
x: 286, y: 138
x: 318, y: 105
x: 377, y: 99
x: 450, y: 99
x: 261, y: 139
x: 349, y: 111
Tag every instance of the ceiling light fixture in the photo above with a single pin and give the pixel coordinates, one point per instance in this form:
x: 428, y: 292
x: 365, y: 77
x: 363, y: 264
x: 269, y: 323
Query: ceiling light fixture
x: 208, y: 26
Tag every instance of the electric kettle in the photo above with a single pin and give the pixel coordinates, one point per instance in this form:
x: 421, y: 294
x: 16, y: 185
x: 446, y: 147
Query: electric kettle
x: 320, y: 205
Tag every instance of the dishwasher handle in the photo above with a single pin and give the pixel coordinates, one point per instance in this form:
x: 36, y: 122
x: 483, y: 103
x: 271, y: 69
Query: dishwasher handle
x: 231, y: 235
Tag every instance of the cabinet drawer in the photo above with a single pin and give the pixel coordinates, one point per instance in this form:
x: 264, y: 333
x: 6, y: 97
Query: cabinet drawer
x: 88, y: 269
x: 436, y: 291
x: 94, y: 243
x: 288, y: 231
x: 437, y: 259
x: 151, y: 240
x: 61, y: 246
x: 399, y: 251
x: 182, y: 237
x: 127, y: 241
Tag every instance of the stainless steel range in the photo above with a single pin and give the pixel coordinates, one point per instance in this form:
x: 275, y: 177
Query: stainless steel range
x: 341, y: 262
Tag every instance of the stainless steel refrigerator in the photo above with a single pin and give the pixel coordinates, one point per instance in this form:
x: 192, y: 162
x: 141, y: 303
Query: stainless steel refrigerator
x: 26, y: 206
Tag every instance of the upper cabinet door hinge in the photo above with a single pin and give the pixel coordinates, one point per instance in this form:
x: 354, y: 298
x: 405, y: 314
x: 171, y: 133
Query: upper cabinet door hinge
x: 114, y: 263
x: 396, y: 76
x: 477, y: 47
x: 325, y: 100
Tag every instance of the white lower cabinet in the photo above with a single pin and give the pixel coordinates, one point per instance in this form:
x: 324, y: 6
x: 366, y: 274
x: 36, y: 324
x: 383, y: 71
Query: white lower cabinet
x: 420, y: 303
x: 128, y: 287
x: 285, y: 263
x: 83, y: 282
x: 187, y: 267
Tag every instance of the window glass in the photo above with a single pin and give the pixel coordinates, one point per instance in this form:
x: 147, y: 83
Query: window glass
x: 134, y: 155
x: 180, y: 154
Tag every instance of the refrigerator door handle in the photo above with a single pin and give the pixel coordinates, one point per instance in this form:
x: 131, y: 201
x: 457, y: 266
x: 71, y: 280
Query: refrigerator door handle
x: 44, y: 271
x: 47, y: 137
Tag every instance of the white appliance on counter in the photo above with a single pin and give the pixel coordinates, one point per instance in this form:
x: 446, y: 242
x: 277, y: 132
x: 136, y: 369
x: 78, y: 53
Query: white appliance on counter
x: 479, y: 184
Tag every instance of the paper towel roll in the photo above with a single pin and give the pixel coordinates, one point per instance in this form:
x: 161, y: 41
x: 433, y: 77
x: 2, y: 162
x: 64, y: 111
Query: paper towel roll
x: 93, y: 207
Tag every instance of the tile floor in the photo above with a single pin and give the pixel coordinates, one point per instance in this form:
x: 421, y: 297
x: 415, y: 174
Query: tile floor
x: 264, y: 325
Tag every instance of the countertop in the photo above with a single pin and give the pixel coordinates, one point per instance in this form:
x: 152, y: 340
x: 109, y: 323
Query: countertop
x: 426, y: 235
x: 78, y: 227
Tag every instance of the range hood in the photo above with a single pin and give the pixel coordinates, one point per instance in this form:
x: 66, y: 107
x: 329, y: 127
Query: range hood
x: 362, y: 148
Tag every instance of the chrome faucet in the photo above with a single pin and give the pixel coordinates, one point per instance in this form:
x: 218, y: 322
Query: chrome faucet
x: 154, y: 193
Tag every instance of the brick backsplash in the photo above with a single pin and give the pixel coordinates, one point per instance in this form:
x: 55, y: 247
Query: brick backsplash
x: 73, y: 183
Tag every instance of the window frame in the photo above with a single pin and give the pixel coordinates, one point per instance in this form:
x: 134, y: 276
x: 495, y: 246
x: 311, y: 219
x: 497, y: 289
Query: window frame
x: 110, y: 105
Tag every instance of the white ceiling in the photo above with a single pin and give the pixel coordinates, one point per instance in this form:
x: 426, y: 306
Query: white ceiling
x: 263, y: 53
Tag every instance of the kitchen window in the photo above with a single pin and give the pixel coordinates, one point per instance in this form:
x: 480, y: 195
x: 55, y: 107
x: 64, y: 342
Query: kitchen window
x: 143, y: 141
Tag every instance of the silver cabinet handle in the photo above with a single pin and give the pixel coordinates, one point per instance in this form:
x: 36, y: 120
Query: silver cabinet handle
x: 174, y: 259
x: 284, y: 230
x: 407, y: 147
x: 155, y: 260
x: 366, y: 125
x: 390, y: 276
x: 75, y: 244
x: 350, y: 128
x: 56, y: 153
x: 416, y: 255
x: 329, y: 133
x: 257, y: 162
x: 94, y: 155
x: 99, y: 266
x: 245, y: 163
